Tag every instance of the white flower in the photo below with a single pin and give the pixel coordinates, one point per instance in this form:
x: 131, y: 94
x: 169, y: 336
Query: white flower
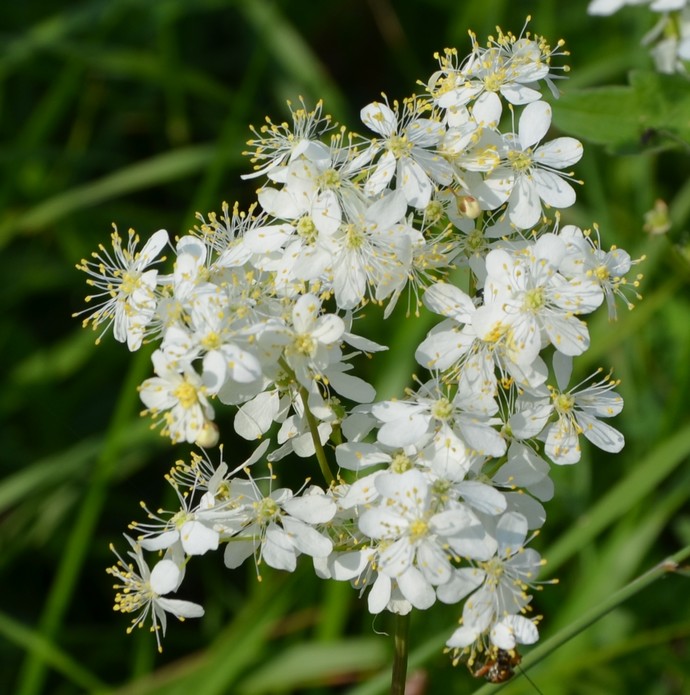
x: 417, y: 542
x: 279, y: 527
x: 127, y: 297
x: 605, y: 7
x: 180, y: 397
x: 512, y: 630
x: 408, y: 141
x: 275, y: 143
x: 432, y: 414
x: 497, y: 586
x: 144, y: 592
x: 607, y: 268
x: 530, y: 303
x: 312, y: 342
x: 371, y: 252
x: 529, y: 174
x: 578, y: 410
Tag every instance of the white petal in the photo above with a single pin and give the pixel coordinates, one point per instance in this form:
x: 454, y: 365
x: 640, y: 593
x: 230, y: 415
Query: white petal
x: 416, y: 589
x: 414, y: 183
x: 165, y: 577
x: 380, y: 594
x: 405, y: 431
x: 351, y: 387
x: 448, y: 300
x: 559, y: 153
x: 357, y: 455
x: 524, y: 204
x: 567, y: 334
x: 535, y: 121
x: 197, y: 538
x: 181, y: 609
x: 600, y: 434
x: 563, y: 369
x: 487, y: 109
x: 553, y: 189
x: 307, y: 539
x: 236, y: 552
x: 382, y: 174
x: 379, y: 118
x: 254, y: 418
x: 312, y: 509
x: 463, y: 582
x: 511, y: 532
x: 278, y: 551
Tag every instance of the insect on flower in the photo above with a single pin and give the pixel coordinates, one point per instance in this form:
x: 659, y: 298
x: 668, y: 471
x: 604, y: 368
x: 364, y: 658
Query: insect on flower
x: 499, y: 667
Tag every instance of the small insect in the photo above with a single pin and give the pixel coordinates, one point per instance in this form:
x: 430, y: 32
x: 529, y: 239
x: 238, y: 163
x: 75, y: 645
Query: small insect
x: 499, y: 668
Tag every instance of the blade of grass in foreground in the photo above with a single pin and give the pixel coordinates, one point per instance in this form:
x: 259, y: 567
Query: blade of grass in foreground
x: 59, y: 597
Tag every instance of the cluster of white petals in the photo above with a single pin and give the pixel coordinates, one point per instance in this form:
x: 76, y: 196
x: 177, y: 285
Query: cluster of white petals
x: 438, y: 493
x: 669, y: 38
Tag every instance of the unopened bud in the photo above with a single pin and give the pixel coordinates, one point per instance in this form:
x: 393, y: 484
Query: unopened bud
x: 468, y: 206
x: 209, y: 435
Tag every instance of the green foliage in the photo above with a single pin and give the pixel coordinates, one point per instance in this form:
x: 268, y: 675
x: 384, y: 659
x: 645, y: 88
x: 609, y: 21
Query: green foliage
x: 136, y: 113
x: 653, y: 110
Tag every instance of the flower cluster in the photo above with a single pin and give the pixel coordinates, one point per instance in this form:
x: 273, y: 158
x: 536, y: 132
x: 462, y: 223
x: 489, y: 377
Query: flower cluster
x: 669, y: 38
x: 437, y: 494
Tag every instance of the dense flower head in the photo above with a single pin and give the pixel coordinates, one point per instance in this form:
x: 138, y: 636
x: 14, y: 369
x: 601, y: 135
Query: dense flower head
x: 436, y: 493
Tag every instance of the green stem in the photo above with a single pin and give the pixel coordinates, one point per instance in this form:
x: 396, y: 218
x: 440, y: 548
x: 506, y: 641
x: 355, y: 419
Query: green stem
x: 314, y: 430
x: 402, y: 628
x: 668, y: 565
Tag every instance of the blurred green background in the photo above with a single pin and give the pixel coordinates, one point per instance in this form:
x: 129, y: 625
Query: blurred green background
x: 136, y: 112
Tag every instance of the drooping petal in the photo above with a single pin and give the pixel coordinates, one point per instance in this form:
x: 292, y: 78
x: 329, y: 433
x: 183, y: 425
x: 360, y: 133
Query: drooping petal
x: 165, y: 577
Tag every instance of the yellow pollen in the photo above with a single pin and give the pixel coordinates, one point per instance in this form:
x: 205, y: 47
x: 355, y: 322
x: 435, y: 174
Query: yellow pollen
x: 418, y: 529
x: 211, y: 341
x: 186, y: 394
x: 520, y: 161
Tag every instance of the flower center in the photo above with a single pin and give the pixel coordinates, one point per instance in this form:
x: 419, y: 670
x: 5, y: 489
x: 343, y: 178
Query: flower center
x: 563, y: 402
x: 304, y: 344
x: 330, y: 179
x: 354, y: 237
x: 130, y: 282
x: 602, y: 273
x: 519, y: 160
x: 211, y: 341
x: 307, y: 229
x: 267, y: 510
x: 418, y: 529
x: 534, y: 299
x: 399, y: 145
x: 442, y: 409
x: 494, y: 81
x: 400, y: 462
x: 185, y: 394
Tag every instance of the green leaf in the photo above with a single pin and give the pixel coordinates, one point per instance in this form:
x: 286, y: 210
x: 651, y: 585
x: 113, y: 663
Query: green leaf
x: 309, y: 663
x: 602, y: 115
x: 653, y: 111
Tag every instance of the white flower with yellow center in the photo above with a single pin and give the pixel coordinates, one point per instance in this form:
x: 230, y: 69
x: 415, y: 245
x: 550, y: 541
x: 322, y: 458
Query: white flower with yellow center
x: 532, y: 304
x: 280, y: 526
x: 495, y: 588
x: 145, y: 592
x: 579, y: 410
x: 417, y: 541
x: 408, y: 142
x: 531, y: 173
x: 372, y: 252
x: 178, y: 396
x: 127, y: 297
